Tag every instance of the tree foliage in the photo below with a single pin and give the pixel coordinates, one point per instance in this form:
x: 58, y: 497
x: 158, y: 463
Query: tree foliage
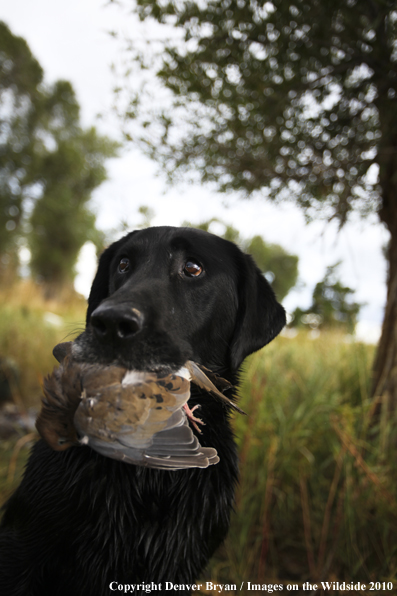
x: 298, y: 97
x: 49, y: 165
x: 332, y: 305
x: 20, y: 78
x: 62, y: 221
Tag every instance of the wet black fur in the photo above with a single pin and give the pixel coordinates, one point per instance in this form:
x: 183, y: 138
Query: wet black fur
x: 79, y: 521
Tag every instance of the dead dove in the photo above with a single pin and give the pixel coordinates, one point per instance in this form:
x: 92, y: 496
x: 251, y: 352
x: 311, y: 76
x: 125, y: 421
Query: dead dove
x: 132, y: 416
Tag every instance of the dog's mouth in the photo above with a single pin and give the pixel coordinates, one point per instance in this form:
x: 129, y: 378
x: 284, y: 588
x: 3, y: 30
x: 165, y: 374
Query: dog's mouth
x: 151, y: 352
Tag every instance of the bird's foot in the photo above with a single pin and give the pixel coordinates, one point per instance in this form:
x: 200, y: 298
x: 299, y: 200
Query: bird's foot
x: 192, y: 418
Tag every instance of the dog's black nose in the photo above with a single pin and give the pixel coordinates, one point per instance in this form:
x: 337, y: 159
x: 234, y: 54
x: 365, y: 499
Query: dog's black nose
x: 116, y: 322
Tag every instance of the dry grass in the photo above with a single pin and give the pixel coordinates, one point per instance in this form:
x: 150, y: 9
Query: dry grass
x: 30, y: 327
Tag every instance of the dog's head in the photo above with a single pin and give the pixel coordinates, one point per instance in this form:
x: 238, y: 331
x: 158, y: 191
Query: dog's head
x: 164, y: 295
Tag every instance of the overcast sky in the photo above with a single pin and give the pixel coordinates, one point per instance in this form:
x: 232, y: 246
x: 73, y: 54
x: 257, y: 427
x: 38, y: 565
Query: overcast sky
x: 71, y: 41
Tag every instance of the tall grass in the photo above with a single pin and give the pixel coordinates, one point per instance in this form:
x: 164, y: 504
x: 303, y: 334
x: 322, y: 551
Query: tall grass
x: 317, y: 498
x: 28, y: 332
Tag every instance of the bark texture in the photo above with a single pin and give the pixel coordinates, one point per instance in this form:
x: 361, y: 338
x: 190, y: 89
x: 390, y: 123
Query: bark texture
x: 385, y: 365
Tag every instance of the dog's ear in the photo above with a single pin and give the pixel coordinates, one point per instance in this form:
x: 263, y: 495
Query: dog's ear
x: 260, y: 317
x: 100, y: 286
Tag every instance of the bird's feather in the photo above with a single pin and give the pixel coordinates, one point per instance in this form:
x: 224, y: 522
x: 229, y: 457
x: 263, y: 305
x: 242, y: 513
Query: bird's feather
x: 200, y: 378
x: 134, y: 416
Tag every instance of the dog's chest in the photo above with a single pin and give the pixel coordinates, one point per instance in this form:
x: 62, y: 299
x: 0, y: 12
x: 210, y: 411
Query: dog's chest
x: 148, y: 525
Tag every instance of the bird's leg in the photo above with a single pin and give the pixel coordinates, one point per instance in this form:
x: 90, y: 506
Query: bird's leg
x: 192, y: 418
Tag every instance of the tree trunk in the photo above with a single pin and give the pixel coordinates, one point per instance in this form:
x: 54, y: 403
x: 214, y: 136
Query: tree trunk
x: 384, y: 387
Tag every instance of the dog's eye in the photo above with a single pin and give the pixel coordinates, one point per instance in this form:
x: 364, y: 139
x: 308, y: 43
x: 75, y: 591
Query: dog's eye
x: 124, y: 265
x: 192, y: 269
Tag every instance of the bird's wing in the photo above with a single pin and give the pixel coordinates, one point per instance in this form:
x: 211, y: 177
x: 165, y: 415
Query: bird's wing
x: 62, y: 390
x: 142, y: 421
x: 174, y: 448
x: 134, y: 411
x: 199, y: 377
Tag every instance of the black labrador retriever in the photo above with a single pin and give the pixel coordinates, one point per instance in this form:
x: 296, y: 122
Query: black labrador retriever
x: 81, y: 524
